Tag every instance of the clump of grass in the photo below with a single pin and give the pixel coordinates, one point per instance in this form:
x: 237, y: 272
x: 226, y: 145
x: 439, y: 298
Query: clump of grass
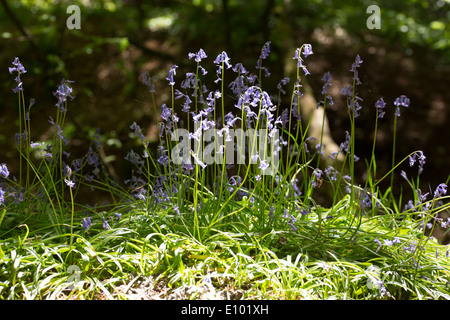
x: 218, y: 212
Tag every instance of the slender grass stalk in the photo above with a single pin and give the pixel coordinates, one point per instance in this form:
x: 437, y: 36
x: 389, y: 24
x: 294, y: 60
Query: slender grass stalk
x: 72, y: 211
x: 394, y: 141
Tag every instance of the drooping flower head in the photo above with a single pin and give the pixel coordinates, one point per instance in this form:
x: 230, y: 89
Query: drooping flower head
x: 327, y: 79
x: 264, y: 55
x: 172, y: 72
x: 147, y: 80
x: 379, y: 105
x: 199, y: 56
x: 265, y: 51
x: 401, y: 101
x: 354, y: 68
x: 4, y: 170
x: 441, y: 190
x: 307, y: 50
x: 223, y: 58
x: 19, y: 68
x: 421, y: 158
x: 62, y: 93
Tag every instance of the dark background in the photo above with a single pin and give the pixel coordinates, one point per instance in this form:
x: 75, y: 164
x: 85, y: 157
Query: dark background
x: 118, y: 39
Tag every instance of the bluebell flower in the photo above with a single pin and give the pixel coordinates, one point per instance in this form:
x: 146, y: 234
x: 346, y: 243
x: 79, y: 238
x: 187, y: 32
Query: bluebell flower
x: 134, y: 158
x: 137, y: 131
x: 145, y: 79
x: 203, y: 72
x: 2, y: 196
x: 19, y: 87
x: 189, y: 82
x: 238, y: 85
x: 281, y: 84
x: 421, y: 159
x: 62, y: 93
x: 402, y: 101
x: 441, y: 190
x: 199, y: 56
x: 382, y: 288
x: 331, y: 173
x: 34, y: 145
x: 198, y: 161
x: 212, y: 96
x: 344, y: 145
x: 347, y: 91
x: 377, y: 242
x: 163, y: 160
x: 17, y: 67
x: 356, y: 65
x: 307, y: 50
x: 305, y: 211
x: 317, y: 182
x: 333, y: 155
x: 265, y: 50
x: 379, y: 105
x: 263, y: 165
x: 69, y: 183
x: 105, y: 224
x: 354, y: 105
x: 422, y: 197
x: 86, y: 223
x: 264, y: 54
x: 186, y: 105
x: 366, y: 202
x: 223, y: 58
x: 291, y: 222
x: 283, y: 119
x: 230, y: 119
x: 165, y: 112
x: 172, y: 73
x: 239, y: 68
x: 327, y: 79
x: 4, y: 170
x: 20, y: 70
x: 320, y: 148
x: 403, y: 174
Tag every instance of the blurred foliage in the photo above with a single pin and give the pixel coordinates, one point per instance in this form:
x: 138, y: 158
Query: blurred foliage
x: 224, y: 24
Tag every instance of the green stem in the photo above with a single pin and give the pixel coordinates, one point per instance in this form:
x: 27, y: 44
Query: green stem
x: 393, y: 150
